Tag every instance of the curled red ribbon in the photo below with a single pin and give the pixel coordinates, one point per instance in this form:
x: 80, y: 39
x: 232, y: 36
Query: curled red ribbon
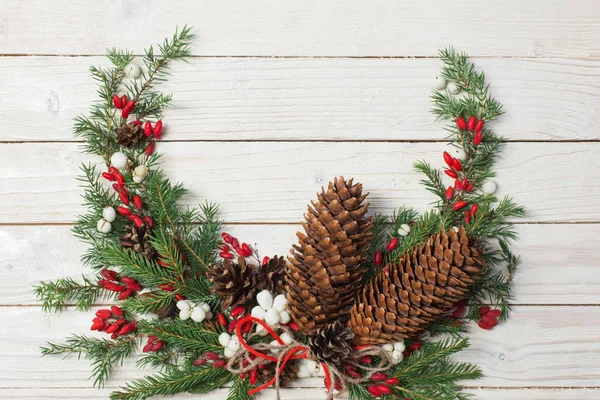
x: 296, y: 353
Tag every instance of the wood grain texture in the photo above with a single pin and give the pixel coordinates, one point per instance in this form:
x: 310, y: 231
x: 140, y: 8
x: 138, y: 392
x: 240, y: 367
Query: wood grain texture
x: 308, y: 99
x: 273, y: 182
x: 317, y: 28
x: 298, y: 394
x: 559, y: 261
x: 548, y: 346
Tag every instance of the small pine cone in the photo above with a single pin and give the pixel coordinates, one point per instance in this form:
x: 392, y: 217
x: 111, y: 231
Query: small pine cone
x: 138, y: 240
x: 271, y: 275
x: 128, y: 135
x: 236, y: 283
x: 406, y: 296
x: 287, y: 376
x: 325, y: 267
x: 332, y: 344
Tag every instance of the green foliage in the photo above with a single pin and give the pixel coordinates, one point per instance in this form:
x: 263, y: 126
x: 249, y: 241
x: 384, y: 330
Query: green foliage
x: 103, y: 354
x: 56, y: 295
x: 187, y: 335
x: 239, y: 389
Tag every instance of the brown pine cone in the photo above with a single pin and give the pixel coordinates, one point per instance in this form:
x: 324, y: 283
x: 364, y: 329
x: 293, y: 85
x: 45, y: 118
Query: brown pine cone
x: 325, y: 268
x: 332, y: 344
x: 271, y: 276
x: 138, y: 240
x: 287, y: 376
x: 427, y: 281
x: 128, y: 135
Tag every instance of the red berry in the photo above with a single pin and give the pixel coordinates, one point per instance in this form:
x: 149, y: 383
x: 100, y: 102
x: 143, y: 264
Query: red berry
x: 124, y: 100
x: 219, y: 364
x: 494, y: 313
x: 148, y: 129
x: 149, y: 221
x: 108, y: 176
x: 124, y: 196
x: 125, y: 112
x: 137, y: 201
x: 479, y: 126
x: 137, y: 122
x: 474, y: 209
x: 451, y: 173
x: 353, y: 373
x: 458, y: 205
x: 378, y: 377
x: 222, y: 319
x: 236, y: 312
x: 158, y: 129
x: 483, y: 325
x: 104, y: 314
x: 165, y: 287
x: 483, y: 311
x: 123, y: 210
x: 113, y: 287
x: 109, y: 274
x: 470, y: 187
x: 147, y: 348
x: 117, y: 311
x: 232, y: 326
x: 294, y: 326
x: 235, y: 242
x: 199, y: 362
x: 117, y: 187
x: 477, y: 139
x: 117, y: 101
x: 392, y: 381
x: 457, y: 165
x: 125, y: 294
x: 374, y: 391
x: 457, y: 185
x: 366, y: 360
x: 225, y: 254
x: 246, y: 250
x: 378, y: 258
x: 471, y: 122
x: 489, y: 319
x: 464, y: 184
x: 96, y: 326
x: 137, y: 221
x: 253, y: 376
x: 265, y: 260
x: 157, y: 345
x: 449, y: 193
x: 211, y: 355
x: 179, y: 297
x: 227, y: 237
x: 467, y: 217
x: 150, y: 149
x: 384, y: 389
x: 448, y: 159
x: 460, y: 122
x: 392, y: 244
x: 134, y: 287
x: 125, y: 329
x: 460, y: 310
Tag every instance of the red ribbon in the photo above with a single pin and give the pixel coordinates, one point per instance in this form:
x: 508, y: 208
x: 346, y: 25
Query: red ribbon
x: 296, y: 353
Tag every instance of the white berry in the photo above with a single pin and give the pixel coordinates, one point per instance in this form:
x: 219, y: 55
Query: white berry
x: 453, y: 88
x: 109, y: 214
x: 258, y: 312
x: 139, y: 173
x: 284, y: 317
x: 198, y: 314
x: 209, y: 315
x: 205, y: 307
x: 287, y: 338
x: 489, y: 187
x: 260, y: 330
x: 388, y: 347
x: 457, y: 152
x: 184, y: 314
x: 439, y: 82
x: 399, y: 346
x: 404, y: 230
x: 104, y: 226
x: 280, y: 302
x: 272, y: 317
x: 265, y: 299
x: 397, y: 356
x: 228, y: 352
x: 183, y: 305
x: 224, y: 339
x: 132, y: 71
x: 234, y: 344
x: 118, y: 160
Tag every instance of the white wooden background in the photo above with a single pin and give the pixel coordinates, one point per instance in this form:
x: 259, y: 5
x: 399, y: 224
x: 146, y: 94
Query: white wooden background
x: 283, y: 95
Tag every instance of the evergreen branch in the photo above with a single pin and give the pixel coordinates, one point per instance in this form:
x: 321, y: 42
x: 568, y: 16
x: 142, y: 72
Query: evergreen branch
x: 429, y: 353
x: 239, y: 389
x: 187, y: 335
x: 104, y: 354
x: 56, y: 295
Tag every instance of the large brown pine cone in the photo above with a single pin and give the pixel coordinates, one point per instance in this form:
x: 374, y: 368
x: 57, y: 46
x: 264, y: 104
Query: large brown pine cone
x: 138, y: 240
x: 128, y: 135
x: 287, y: 376
x: 325, y: 270
x: 238, y: 282
x: 404, y: 297
x: 332, y: 343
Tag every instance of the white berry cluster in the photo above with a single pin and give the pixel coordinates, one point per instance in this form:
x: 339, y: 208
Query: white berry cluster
x: 197, y: 312
x: 139, y: 173
x: 231, y: 343
x: 396, y: 350
x: 108, y: 215
x: 308, y: 368
x: 271, y: 310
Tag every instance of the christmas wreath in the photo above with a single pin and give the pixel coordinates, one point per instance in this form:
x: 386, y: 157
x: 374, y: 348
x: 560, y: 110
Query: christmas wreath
x: 376, y: 304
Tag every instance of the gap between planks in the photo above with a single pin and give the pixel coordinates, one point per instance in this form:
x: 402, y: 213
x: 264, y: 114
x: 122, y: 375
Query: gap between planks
x: 200, y: 56
x: 303, y: 141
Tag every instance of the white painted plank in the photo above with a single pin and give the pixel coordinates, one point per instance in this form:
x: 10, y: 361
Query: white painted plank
x: 559, y: 261
x: 273, y: 182
x: 298, y: 394
x: 538, y: 346
x: 321, y: 28
x: 308, y: 99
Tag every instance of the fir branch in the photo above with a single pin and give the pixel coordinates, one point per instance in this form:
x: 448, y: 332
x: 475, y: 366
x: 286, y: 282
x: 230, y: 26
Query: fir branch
x: 429, y: 353
x: 187, y: 335
x: 103, y: 354
x: 239, y: 389
x: 56, y: 295
x: 199, y: 380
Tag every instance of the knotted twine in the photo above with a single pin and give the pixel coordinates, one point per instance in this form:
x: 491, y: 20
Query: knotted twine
x: 249, y: 357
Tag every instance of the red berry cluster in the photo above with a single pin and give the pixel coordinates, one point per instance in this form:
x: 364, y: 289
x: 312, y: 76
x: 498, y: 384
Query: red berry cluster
x: 126, y: 106
x: 392, y: 244
x: 382, y: 384
x: 489, y: 318
x: 153, y: 345
x: 135, y: 213
x: 212, y: 357
x: 253, y: 373
x: 124, y: 285
x: 243, y: 250
x: 112, y: 321
x: 473, y: 125
x: 122, y: 103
